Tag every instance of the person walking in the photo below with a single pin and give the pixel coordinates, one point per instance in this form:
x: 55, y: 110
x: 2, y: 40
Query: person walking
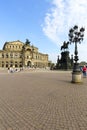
x: 84, y: 69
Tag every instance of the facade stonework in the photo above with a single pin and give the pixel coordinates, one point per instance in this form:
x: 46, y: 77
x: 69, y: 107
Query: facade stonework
x: 19, y: 54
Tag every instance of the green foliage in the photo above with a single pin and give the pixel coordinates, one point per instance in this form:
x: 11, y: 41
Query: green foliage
x: 82, y: 63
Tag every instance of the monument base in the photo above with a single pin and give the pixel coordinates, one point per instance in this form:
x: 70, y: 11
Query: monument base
x: 76, y: 77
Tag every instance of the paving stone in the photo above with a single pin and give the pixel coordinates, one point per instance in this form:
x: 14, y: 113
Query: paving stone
x: 42, y: 100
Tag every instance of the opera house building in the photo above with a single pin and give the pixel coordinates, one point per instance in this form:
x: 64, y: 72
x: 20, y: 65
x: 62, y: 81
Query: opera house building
x: 18, y: 54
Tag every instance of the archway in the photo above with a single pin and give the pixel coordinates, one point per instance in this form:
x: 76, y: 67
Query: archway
x: 29, y: 64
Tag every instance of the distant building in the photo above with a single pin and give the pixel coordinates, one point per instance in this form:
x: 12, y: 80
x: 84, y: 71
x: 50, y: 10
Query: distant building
x: 19, y: 54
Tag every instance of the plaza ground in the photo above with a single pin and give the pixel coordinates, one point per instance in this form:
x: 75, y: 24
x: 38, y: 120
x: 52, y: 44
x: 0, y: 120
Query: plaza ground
x: 42, y: 100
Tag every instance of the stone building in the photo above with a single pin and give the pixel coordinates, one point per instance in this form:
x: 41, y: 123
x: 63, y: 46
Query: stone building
x: 18, y: 54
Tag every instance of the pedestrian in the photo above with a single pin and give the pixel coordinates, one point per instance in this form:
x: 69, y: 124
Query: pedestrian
x: 84, y: 70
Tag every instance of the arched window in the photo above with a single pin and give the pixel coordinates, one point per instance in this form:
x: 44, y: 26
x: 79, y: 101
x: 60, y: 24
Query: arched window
x: 7, y: 64
x: 11, y: 64
x: 2, y: 55
x: 6, y: 55
x: 2, y: 63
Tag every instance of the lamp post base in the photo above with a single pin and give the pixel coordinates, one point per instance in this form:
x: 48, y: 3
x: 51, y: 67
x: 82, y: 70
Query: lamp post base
x: 76, y: 77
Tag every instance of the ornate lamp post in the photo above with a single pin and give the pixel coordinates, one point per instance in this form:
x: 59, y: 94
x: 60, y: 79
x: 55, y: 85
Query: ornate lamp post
x: 76, y: 36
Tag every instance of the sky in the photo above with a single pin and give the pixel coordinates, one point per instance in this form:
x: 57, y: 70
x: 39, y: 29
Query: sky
x: 45, y: 23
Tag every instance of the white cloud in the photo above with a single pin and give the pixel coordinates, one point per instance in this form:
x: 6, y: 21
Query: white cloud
x: 63, y: 15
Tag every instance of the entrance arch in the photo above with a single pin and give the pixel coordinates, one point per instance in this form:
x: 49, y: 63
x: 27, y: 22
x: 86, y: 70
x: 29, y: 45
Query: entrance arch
x: 29, y: 63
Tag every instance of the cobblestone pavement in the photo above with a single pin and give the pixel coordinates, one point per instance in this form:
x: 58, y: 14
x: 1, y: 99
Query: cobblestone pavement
x: 42, y: 101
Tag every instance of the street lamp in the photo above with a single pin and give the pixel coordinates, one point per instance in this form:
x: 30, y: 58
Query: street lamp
x: 76, y: 36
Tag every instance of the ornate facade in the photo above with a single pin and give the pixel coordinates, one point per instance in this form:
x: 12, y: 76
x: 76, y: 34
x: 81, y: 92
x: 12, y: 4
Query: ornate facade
x: 19, y: 54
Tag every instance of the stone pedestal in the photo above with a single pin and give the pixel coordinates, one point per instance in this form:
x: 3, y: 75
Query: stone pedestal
x: 65, y: 60
x: 76, y: 77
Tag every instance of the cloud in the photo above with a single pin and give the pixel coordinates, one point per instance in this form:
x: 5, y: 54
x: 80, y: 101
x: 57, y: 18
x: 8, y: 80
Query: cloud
x: 63, y: 15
